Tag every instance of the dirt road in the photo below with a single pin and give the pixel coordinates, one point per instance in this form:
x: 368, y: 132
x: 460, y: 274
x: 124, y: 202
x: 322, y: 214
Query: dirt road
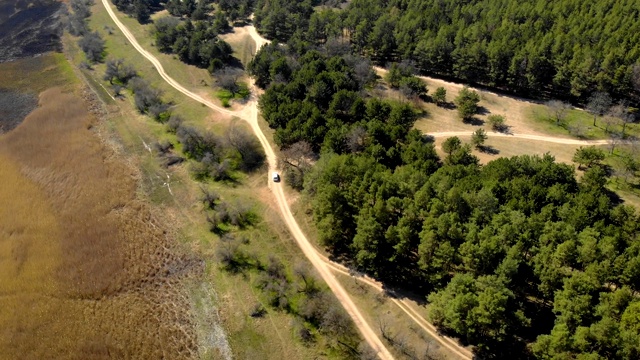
x: 250, y: 114
x: 551, y: 139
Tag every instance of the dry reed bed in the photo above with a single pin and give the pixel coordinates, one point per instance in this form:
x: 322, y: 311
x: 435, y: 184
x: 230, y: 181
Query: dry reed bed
x: 86, y: 269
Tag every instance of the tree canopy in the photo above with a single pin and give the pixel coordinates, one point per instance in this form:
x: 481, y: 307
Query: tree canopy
x: 568, y: 48
x: 516, y: 256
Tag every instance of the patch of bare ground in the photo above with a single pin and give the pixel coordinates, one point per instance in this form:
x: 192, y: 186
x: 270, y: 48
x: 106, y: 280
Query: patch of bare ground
x: 88, y: 270
x: 508, y: 147
x: 518, y: 111
x: 243, y: 45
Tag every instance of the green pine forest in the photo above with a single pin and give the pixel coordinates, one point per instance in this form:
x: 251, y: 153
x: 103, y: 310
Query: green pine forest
x: 516, y: 257
x: 566, y: 49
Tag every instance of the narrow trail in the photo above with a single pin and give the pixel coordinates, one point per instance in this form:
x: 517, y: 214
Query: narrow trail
x: 550, y: 139
x: 251, y: 116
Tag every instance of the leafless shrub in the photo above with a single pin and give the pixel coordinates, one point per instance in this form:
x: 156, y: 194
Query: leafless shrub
x: 209, y: 199
x: 248, y: 147
x: 310, y: 286
x: 175, y: 121
x: 335, y: 321
x: 257, y: 311
x: 163, y: 147
x: 557, y: 110
x: 301, y: 331
x: 366, y: 352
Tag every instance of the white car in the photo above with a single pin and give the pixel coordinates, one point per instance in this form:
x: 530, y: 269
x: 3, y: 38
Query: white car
x: 276, y: 177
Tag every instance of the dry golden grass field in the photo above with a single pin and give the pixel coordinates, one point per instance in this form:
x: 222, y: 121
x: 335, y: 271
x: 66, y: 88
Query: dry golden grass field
x: 87, y: 270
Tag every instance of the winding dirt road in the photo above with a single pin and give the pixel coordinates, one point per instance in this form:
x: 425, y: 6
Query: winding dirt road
x: 251, y: 116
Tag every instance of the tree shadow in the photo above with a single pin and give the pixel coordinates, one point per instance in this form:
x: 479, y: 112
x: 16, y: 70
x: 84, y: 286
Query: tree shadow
x: 235, y: 63
x: 488, y: 149
x: 504, y: 129
x: 483, y: 110
x: 473, y: 121
x: 447, y: 105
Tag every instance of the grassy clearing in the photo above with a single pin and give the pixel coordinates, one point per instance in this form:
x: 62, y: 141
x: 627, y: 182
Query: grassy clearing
x: 226, y: 96
x: 37, y: 74
x: 509, y: 147
x: 523, y: 117
x: 243, y: 45
x: 579, y: 123
x: 118, y: 47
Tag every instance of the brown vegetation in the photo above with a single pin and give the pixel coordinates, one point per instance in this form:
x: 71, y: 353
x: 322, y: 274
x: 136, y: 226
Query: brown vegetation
x: 90, y: 272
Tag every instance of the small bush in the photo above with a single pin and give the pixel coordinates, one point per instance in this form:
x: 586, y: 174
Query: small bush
x: 301, y: 331
x: 174, y: 123
x: 497, y: 122
x: 257, y: 311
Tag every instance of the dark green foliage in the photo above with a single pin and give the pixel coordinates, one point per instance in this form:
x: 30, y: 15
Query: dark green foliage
x: 236, y: 9
x: 440, y: 96
x: 194, y: 43
x: 497, y: 122
x: 199, y: 145
x: 506, y: 238
x: 478, y: 138
x: 140, y: 9
x: 451, y: 144
x: 412, y: 87
x: 319, y: 102
x: 565, y: 46
x: 517, y: 256
x: 467, y: 103
x: 280, y: 19
x: 588, y: 156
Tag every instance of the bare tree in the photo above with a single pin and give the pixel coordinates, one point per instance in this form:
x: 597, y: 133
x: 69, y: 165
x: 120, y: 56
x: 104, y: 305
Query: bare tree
x: 247, y: 146
x: 227, y: 78
x: 335, y: 321
x: 209, y: 198
x: 356, y: 139
x: 336, y: 47
x: 366, y: 352
x: 93, y: 46
x: 623, y: 112
x: 578, y: 129
x: 362, y: 69
x: 310, y: 284
x: 599, y: 103
x: 118, y: 70
x: 614, y: 139
x: 298, y: 155
x: 557, y: 110
x: 610, y: 120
